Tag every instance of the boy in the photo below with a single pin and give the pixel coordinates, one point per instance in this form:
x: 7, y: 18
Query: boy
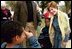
x: 13, y: 34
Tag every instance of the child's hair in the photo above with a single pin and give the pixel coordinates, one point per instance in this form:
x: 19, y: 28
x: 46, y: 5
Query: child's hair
x: 11, y: 29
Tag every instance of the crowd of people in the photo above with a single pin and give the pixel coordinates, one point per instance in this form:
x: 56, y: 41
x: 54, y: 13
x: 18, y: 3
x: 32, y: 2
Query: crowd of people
x: 21, y: 30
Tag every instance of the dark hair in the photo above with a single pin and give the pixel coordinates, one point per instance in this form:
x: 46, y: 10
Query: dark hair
x: 10, y: 29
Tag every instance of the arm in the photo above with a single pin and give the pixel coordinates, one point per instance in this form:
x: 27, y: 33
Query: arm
x: 68, y: 30
x: 33, y: 42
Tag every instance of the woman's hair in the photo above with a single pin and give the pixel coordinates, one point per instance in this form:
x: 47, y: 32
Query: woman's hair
x: 52, y: 4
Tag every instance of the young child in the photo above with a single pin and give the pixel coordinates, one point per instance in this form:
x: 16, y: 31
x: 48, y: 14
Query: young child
x: 13, y: 34
x: 44, y: 38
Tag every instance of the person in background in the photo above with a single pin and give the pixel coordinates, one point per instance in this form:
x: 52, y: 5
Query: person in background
x: 5, y: 14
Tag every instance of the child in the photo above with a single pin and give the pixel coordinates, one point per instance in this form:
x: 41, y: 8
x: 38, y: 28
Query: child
x: 13, y: 34
x: 44, y: 38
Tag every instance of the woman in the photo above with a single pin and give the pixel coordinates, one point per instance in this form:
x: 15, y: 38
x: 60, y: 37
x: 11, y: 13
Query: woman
x: 60, y: 25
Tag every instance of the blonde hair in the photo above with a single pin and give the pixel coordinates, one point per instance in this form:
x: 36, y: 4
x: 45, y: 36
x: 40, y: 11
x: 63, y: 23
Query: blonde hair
x: 52, y: 4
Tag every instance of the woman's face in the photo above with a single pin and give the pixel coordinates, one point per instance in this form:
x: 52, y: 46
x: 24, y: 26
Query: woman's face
x: 53, y: 11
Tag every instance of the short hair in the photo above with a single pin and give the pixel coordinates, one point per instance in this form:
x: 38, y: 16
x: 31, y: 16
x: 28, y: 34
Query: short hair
x: 52, y: 4
x: 11, y: 29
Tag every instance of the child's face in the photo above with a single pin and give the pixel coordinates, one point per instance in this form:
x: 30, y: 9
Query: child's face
x: 20, y: 39
x: 47, y: 22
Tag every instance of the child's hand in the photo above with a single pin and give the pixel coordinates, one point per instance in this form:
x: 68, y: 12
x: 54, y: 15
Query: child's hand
x: 28, y: 34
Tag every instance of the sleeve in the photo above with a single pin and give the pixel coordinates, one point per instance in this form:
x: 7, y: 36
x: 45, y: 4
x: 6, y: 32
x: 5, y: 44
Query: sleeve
x: 33, y: 42
x: 67, y: 19
x: 68, y: 30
